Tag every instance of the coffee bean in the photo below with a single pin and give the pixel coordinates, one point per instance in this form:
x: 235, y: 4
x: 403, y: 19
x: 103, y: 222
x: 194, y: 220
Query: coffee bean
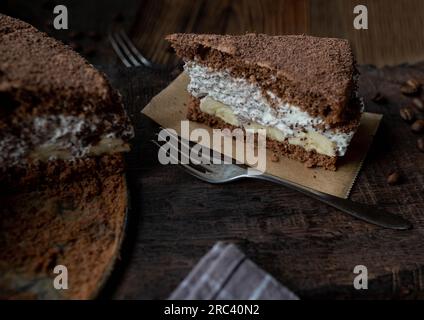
x: 379, y: 98
x: 407, y: 114
x: 393, y: 178
x: 418, y: 103
x: 413, y: 83
x: 410, y: 87
x: 420, y: 144
x: 418, y: 126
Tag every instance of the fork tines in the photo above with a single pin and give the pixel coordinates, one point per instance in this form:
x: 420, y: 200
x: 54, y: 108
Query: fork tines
x: 127, y: 51
x: 184, y: 149
x: 209, y: 167
x: 201, y: 170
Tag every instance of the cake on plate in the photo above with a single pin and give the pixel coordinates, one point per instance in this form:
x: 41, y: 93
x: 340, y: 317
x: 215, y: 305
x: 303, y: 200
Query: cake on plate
x: 301, y: 89
x: 59, y: 116
x: 63, y: 130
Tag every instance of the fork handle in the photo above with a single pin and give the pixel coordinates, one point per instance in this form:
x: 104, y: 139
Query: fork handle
x: 369, y: 213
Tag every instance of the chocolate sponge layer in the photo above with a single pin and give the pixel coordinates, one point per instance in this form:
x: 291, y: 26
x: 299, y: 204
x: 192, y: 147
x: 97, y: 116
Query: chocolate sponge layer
x: 316, y: 74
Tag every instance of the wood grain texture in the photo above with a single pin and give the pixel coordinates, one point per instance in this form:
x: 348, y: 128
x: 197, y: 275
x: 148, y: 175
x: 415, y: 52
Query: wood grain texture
x: 393, y: 37
x: 308, y: 246
x: 393, y: 34
x: 157, y: 18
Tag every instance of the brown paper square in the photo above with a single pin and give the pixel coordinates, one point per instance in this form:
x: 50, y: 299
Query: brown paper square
x: 169, y: 108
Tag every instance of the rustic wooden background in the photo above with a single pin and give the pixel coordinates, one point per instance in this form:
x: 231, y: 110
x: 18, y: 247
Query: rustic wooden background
x: 309, y: 247
x: 394, y: 35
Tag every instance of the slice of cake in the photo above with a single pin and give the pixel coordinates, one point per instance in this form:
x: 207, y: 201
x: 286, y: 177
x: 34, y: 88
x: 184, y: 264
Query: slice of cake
x: 59, y: 116
x: 301, y: 89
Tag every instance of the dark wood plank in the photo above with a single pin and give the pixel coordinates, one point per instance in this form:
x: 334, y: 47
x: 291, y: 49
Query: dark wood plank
x: 157, y: 18
x: 393, y: 26
x: 391, y: 38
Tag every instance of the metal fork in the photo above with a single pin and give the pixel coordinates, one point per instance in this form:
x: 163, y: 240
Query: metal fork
x: 224, y: 173
x: 128, y: 52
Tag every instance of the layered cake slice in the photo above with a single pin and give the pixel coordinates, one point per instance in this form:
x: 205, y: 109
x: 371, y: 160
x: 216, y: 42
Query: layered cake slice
x: 301, y: 89
x: 58, y: 115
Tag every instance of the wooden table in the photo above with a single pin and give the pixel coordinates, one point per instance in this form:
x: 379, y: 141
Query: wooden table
x: 309, y: 247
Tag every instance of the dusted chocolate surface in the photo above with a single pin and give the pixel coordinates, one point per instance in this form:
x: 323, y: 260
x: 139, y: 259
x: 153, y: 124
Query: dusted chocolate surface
x: 43, y: 72
x: 10, y: 25
x: 77, y: 224
x: 315, y: 73
x: 40, y: 175
x: 46, y: 87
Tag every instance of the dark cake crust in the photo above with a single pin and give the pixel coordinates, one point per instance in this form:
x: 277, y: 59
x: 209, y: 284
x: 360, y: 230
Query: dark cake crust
x: 316, y: 74
x: 309, y: 158
x: 77, y: 224
x: 42, y: 175
x: 41, y: 76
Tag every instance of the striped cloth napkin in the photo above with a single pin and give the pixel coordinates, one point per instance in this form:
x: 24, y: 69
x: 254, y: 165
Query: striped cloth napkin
x: 225, y: 273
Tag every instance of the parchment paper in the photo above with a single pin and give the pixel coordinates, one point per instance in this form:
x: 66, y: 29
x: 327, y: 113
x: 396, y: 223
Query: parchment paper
x: 169, y: 108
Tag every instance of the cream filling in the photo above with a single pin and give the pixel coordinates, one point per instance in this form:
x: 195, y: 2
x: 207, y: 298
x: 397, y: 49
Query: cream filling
x: 309, y: 140
x: 248, y: 104
x: 56, y: 151
x: 59, y: 137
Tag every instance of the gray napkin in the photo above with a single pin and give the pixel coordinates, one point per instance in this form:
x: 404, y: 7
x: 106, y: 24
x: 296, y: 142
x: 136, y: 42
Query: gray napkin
x: 225, y: 273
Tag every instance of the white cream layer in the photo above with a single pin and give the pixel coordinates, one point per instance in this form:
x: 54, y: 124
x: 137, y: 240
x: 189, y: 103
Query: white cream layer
x: 248, y: 104
x: 308, y: 140
x: 57, y: 137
